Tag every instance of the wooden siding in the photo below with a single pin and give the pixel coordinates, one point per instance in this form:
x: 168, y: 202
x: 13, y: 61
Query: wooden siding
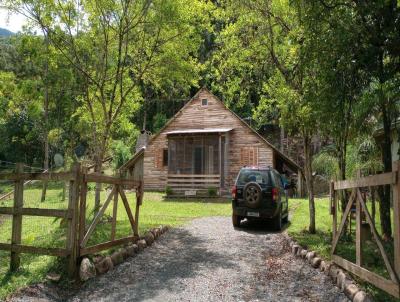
x: 136, y: 171
x: 196, y: 116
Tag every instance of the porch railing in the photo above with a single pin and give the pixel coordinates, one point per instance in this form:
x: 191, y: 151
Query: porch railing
x: 193, y: 184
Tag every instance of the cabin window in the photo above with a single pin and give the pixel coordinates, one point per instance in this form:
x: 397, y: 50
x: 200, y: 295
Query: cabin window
x: 249, y: 156
x: 204, y: 102
x: 165, y: 157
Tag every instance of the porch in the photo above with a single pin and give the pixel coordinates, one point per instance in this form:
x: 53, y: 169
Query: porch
x: 197, y: 161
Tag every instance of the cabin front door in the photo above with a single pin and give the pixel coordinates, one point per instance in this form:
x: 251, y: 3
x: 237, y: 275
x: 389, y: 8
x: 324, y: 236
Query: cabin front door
x: 198, y: 160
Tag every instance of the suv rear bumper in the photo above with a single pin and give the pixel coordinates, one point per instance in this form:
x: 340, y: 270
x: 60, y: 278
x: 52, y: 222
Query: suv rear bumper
x: 263, y: 213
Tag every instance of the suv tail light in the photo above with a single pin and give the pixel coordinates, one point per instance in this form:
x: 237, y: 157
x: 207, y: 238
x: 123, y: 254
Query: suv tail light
x: 234, y: 192
x: 275, y: 194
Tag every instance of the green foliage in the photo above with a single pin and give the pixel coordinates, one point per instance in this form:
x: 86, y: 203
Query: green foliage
x: 121, y: 153
x: 159, y: 120
x: 325, y: 164
x: 363, y: 155
x: 321, y: 241
x: 168, y: 191
x: 212, y: 191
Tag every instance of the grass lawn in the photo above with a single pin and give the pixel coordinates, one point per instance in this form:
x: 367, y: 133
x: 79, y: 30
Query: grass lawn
x: 321, y: 241
x: 49, y: 232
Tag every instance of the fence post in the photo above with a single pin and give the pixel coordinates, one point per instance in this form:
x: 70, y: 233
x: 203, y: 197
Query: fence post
x: 332, y: 195
x: 396, y: 217
x: 359, y: 238
x: 115, y: 212
x: 72, y: 235
x: 358, y: 233
x: 82, y: 207
x: 17, y: 218
x: 139, y: 200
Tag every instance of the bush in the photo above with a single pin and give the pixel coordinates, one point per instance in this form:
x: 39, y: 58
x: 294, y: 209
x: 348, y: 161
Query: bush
x: 212, y: 192
x: 168, y: 191
x: 121, y: 153
x: 159, y: 120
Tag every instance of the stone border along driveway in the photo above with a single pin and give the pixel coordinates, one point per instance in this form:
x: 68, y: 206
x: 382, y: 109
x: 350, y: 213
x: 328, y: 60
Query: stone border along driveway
x: 206, y: 260
x: 343, y: 281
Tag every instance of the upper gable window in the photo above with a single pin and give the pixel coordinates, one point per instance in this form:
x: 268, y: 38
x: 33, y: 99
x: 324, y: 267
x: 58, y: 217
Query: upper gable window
x: 204, y: 102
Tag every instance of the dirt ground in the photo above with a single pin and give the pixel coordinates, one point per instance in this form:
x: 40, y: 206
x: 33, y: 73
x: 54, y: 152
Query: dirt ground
x: 206, y: 260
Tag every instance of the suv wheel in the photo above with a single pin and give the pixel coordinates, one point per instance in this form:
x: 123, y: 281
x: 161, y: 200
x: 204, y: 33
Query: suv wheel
x: 236, y: 220
x: 286, y: 218
x: 277, y: 221
x: 252, y: 194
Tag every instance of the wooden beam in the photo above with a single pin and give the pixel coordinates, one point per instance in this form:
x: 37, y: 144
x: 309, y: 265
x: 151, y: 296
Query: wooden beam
x: 73, y: 230
x: 82, y: 209
x: 97, y: 219
x: 114, y: 217
x: 359, y: 259
x: 47, y: 176
x: 389, y: 267
x: 100, y: 178
x: 194, y: 180
x: 333, y: 209
x: 106, y: 245
x: 19, y: 248
x: 17, y: 218
x: 139, y: 201
x: 127, y: 208
x: 342, y: 223
x: 194, y: 175
x: 389, y: 286
x: 373, y: 180
x: 36, y: 212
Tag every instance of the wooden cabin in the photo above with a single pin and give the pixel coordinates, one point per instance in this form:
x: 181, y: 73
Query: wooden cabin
x: 201, y: 150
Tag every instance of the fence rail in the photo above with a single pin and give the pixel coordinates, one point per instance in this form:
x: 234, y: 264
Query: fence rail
x: 77, y: 233
x: 392, y: 285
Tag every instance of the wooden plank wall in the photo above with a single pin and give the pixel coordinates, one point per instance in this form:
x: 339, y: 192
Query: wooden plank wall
x: 196, y: 116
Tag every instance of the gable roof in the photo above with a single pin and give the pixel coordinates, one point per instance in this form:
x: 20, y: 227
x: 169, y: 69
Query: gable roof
x: 133, y: 160
x: 275, y: 149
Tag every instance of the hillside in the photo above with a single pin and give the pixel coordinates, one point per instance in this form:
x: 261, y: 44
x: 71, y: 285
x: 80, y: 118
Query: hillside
x: 5, y: 32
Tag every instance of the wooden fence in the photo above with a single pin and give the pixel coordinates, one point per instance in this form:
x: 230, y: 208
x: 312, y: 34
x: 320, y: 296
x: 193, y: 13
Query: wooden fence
x: 77, y: 233
x: 357, y: 198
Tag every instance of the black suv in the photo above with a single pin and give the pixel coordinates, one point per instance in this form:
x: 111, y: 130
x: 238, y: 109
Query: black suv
x: 260, y: 194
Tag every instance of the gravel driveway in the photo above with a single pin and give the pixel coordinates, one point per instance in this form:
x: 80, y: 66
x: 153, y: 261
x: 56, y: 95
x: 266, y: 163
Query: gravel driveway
x: 208, y: 260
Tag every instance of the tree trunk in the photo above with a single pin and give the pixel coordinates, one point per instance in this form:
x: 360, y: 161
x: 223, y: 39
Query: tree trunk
x: 342, y: 150
x: 98, y: 169
x: 46, y: 126
x: 309, y: 181
x: 45, y: 166
x: 384, y: 192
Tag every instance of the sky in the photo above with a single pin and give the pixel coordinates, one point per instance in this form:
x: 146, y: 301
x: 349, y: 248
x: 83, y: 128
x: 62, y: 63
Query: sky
x: 13, y: 23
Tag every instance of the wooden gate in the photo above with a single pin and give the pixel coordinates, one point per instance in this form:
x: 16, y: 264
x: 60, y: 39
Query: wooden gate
x: 117, y: 190
x: 358, y: 199
x: 77, y: 233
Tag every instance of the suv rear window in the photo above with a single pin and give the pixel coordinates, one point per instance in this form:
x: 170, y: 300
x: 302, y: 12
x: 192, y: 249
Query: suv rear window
x: 245, y: 176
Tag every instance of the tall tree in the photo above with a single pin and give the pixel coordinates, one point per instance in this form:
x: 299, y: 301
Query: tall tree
x: 356, y: 45
x: 131, y: 40
x: 269, y: 42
